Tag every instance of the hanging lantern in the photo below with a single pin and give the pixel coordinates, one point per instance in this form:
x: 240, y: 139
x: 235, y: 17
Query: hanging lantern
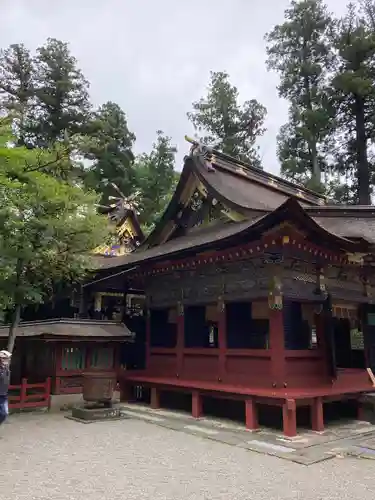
x: 180, y: 309
x: 321, y: 282
x: 275, y: 294
x: 367, y: 288
x: 220, y: 305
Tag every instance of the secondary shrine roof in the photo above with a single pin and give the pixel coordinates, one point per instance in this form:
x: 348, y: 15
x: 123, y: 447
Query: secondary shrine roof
x: 70, y: 328
x: 123, y: 215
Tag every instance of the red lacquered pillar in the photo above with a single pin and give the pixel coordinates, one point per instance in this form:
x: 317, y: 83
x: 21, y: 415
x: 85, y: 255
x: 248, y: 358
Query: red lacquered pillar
x: 277, y: 347
x: 222, y: 339
x: 155, y: 398
x: 180, y: 344
x: 251, y: 413
x: 196, y: 405
x: 290, y: 418
x: 148, y: 338
x: 317, y: 417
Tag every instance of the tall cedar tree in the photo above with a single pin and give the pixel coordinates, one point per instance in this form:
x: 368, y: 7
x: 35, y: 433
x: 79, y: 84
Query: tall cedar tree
x: 62, y: 99
x: 109, y: 147
x: 17, y: 87
x: 342, y: 185
x: 47, y: 227
x: 294, y: 152
x: 353, y: 92
x: 299, y: 50
x: 224, y: 123
x: 156, y: 179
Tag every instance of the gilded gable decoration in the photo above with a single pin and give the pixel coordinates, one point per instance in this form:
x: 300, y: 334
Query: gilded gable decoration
x: 123, y: 213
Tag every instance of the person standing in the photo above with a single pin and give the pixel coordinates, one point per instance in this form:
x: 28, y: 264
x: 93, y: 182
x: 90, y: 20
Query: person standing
x: 5, y: 357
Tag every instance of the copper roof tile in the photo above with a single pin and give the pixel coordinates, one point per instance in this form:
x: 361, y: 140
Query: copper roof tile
x: 69, y: 328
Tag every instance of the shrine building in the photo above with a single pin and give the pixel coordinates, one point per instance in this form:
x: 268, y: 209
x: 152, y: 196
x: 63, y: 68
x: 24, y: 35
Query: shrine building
x: 256, y: 290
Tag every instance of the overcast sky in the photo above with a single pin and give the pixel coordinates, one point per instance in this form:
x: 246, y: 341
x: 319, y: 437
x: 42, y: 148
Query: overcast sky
x: 154, y: 57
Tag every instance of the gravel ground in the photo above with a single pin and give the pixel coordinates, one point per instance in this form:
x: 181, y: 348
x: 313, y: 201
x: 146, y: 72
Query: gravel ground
x: 49, y: 457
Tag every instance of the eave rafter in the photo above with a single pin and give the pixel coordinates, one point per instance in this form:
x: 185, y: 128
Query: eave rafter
x: 283, y: 240
x: 289, y: 226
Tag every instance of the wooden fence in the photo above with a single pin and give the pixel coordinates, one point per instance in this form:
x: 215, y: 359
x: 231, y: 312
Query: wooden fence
x: 30, y: 395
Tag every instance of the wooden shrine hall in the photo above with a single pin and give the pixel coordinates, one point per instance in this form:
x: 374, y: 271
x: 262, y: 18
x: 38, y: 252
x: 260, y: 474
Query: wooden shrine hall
x: 257, y: 290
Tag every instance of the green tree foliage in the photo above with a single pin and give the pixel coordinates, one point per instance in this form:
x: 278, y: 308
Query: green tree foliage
x: 17, y: 86
x: 342, y: 185
x: 353, y: 95
x: 327, y: 69
x: 109, y: 147
x: 224, y: 123
x: 47, y: 227
x: 47, y: 94
x: 48, y: 97
x: 156, y: 179
x: 61, y: 92
x: 299, y: 50
x: 293, y: 150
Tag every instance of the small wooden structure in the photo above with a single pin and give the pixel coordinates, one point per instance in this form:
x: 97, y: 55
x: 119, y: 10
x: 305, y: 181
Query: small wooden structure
x: 61, y: 350
x: 257, y: 290
x: 89, y: 335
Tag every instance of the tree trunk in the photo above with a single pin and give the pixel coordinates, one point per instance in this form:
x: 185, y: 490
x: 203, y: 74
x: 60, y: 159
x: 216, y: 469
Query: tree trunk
x: 21, y: 139
x: 12, y: 329
x: 363, y: 171
x: 17, y: 309
x: 316, y: 175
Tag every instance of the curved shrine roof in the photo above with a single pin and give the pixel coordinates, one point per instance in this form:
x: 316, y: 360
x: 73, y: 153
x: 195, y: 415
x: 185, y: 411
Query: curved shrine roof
x: 199, y: 240
x: 261, y: 199
x: 248, y: 187
x: 237, y: 185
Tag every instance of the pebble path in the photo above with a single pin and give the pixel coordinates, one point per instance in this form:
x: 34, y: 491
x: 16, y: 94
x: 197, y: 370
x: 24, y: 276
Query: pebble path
x: 48, y: 457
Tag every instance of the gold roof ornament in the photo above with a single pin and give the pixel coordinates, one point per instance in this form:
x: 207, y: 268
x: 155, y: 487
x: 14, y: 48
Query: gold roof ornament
x: 123, y: 202
x: 121, y: 213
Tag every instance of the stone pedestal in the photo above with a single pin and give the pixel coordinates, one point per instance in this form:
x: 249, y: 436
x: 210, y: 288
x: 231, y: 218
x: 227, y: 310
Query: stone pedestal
x: 94, y: 414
